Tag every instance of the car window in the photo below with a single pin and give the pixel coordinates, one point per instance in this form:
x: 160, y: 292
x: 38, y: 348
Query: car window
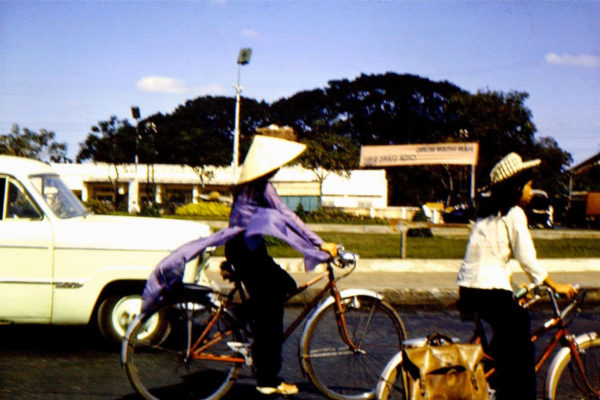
x: 58, y: 196
x: 18, y: 204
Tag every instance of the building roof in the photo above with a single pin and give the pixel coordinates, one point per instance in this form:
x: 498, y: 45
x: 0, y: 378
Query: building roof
x: 587, y: 164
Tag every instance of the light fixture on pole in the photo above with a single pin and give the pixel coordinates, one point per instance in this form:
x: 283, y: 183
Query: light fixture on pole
x: 243, y: 59
x: 135, y: 113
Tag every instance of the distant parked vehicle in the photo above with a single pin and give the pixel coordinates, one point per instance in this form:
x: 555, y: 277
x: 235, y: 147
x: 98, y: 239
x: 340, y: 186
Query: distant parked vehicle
x: 540, y: 213
x: 460, y: 214
x: 59, y: 264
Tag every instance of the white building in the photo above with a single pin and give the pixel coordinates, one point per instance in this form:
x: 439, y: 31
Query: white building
x: 362, y: 189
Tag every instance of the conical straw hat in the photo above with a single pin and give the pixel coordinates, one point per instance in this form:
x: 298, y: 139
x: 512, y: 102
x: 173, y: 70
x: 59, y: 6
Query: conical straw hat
x: 511, y: 165
x: 266, y: 154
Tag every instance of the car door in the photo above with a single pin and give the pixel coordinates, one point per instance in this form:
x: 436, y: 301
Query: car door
x: 25, y: 256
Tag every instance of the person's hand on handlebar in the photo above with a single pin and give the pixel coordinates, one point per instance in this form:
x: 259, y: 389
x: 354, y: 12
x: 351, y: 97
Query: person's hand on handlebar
x: 564, y: 289
x: 331, y: 248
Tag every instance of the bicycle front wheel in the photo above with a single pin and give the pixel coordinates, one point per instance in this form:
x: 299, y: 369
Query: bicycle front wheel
x: 392, y: 384
x: 196, y: 361
x: 569, y: 382
x: 333, y: 366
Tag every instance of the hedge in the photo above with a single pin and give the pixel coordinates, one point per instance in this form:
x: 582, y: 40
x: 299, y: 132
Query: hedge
x: 211, y: 209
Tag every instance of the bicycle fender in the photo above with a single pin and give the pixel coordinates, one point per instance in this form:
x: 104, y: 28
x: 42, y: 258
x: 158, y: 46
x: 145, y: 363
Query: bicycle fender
x: 188, y: 291
x: 559, y: 358
x: 126, y: 338
x: 330, y: 300
x: 382, y: 385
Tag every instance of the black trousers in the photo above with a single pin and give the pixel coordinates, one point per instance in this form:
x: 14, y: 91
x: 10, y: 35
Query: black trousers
x: 267, y: 285
x: 511, y: 344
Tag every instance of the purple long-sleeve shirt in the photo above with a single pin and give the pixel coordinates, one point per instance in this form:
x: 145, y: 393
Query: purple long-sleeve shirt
x: 257, y: 211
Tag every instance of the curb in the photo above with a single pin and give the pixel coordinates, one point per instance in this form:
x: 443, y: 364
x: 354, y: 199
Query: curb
x: 395, y: 265
x: 428, y: 284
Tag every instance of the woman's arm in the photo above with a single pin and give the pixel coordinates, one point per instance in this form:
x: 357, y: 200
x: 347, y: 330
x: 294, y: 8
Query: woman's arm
x: 274, y: 201
x: 522, y: 245
x: 565, y: 289
x: 524, y: 251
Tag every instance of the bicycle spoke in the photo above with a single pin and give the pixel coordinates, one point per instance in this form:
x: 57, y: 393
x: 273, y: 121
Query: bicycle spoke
x: 360, y: 337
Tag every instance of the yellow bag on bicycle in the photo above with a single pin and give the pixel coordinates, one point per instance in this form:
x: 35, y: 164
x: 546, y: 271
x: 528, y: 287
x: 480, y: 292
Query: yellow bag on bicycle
x: 445, y: 371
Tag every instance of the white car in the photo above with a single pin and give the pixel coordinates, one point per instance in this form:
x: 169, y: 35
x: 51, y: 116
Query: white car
x: 59, y: 264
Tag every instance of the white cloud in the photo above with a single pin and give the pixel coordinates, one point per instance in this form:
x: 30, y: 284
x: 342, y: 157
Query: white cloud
x: 582, y: 60
x: 249, y: 33
x: 161, y: 84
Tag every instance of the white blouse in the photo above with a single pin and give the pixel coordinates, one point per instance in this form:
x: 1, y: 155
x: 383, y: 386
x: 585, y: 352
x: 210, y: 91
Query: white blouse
x: 492, y: 242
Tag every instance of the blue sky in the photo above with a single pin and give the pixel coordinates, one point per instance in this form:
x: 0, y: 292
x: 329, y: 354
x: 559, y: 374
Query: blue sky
x: 64, y: 66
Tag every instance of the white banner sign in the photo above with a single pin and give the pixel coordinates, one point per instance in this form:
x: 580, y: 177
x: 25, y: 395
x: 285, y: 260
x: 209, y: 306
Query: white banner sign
x: 419, y: 154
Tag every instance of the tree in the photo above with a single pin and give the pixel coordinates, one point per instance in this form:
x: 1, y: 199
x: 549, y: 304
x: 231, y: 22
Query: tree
x: 377, y: 109
x: 500, y: 122
x: 40, y: 146
x: 552, y: 175
x: 371, y: 109
x: 113, y: 142
x: 329, y: 152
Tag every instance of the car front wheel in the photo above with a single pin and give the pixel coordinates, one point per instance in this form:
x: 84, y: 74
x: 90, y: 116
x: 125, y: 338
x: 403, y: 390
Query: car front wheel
x: 117, y: 311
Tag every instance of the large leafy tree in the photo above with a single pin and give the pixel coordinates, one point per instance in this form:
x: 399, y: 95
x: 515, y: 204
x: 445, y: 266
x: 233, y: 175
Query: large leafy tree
x: 40, y: 145
x: 376, y: 109
x: 500, y: 122
x: 204, y: 128
x: 329, y: 152
x: 112, y: 141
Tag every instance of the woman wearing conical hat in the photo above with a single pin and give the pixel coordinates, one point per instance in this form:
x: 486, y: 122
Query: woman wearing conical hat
x: 257, y: 211
x: 266, y: 282
x: 484, y: 276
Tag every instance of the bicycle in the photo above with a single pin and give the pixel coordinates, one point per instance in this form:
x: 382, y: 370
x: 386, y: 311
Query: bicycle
x: 573, y: 373
x: 209, y: 339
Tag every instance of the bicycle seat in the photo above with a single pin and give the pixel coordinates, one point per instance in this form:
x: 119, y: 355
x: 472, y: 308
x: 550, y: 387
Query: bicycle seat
x: 190, y: 291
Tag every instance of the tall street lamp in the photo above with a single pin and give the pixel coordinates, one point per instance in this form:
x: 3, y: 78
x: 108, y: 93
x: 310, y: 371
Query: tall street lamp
x: 243, y: 59
x: 135, y: 113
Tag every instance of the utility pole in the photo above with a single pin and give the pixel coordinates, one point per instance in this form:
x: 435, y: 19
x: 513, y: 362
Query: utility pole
x: 243, y: 59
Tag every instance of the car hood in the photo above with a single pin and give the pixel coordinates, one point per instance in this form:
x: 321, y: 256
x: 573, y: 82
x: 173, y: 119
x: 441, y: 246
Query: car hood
x: 127, y: 233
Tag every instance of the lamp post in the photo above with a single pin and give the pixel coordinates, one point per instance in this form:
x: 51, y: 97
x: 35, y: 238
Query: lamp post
x: 135, y: 113
x: 243, y: 59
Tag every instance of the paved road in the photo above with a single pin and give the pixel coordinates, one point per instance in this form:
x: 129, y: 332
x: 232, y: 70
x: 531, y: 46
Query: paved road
x: 70, y: 363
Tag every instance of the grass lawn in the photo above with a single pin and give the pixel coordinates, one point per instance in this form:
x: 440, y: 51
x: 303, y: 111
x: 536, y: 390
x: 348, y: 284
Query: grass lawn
x: 388, y: 246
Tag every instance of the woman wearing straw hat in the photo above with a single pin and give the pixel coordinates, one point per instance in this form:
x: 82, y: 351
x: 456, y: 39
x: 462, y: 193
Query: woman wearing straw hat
x: 257, y: 211
x: 484, y: 275
x: 266, y: 282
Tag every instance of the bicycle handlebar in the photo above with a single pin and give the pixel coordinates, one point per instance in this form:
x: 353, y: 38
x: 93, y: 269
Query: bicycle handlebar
x: 344, y: 258
x: 537, y: 291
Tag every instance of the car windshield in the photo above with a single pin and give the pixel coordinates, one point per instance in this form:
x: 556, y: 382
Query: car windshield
x: 58, y: 196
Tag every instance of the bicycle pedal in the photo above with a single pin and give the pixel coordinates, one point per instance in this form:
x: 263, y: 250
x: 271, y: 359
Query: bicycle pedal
x: 243, y: 349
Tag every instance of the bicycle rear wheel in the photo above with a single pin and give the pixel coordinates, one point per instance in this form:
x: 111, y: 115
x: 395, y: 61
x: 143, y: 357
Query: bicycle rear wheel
x: 338, y: 371
x: 173, y: 369
x: 568, y: 381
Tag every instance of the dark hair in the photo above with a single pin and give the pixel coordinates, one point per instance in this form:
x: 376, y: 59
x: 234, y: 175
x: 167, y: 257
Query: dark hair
x: 503, y: 196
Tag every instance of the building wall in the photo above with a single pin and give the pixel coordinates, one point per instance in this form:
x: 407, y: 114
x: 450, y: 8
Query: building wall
x: 360, y: 189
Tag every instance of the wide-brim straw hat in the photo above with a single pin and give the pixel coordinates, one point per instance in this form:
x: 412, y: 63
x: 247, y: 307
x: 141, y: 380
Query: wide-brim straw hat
x: 267, y: 154
x: 510, y: 166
